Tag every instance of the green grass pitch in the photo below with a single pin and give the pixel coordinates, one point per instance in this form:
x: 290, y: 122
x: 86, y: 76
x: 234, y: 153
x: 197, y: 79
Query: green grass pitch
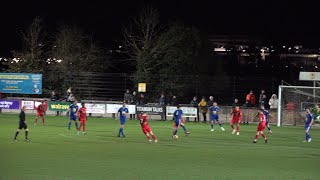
x: 56, y: 153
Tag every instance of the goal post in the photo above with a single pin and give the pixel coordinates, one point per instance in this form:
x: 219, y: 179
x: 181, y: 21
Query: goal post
x: 292, y: 102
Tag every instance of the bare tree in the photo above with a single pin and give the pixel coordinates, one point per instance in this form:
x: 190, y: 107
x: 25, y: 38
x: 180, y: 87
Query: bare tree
x: 161, y: 55
x: 140, y: 38
x: 31, y: 58
x: 74, y: 52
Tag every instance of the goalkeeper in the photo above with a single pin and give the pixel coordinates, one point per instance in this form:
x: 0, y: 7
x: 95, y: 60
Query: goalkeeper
x: 316, y: 113
x: 309, y: 121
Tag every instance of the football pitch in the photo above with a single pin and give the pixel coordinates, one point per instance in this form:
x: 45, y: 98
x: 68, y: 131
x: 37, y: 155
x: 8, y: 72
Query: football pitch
x: 57, y: 153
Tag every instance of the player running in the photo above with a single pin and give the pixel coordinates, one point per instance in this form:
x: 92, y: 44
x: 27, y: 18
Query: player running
x: 143, y: 117
x: 309, y: 122
x: 236, y: 117
x: 177, y: 116
x: 82, y: 114
x: 214, y: 116
x: 73, y: 114
x: 40, y: 112
x: 261, y: 126
x: 22, y: 124
x: 123, y: 111
x: 267, y: 114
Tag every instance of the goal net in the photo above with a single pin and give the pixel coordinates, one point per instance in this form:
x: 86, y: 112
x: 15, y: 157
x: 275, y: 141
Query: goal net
x: 292, y: 102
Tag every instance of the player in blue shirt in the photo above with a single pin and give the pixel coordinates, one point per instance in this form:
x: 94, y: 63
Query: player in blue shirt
x: 177, y: 116
x: 267, y: 114
x: 214, y: 116
x: 123, y: 111
x: 73, y: 113
x: 309, y: 121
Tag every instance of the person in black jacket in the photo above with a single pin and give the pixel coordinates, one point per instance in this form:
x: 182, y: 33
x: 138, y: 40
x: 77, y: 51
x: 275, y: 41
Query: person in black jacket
x: 22, y: 124
x: 142, y: 100
x: 134, y: 100
x: 127, y: 96
x: 163, y: 103
x: 235, y: 103
x: 210, y: 102
x: 54, y: 97
x: 174, y: 101
x: 194, y: 103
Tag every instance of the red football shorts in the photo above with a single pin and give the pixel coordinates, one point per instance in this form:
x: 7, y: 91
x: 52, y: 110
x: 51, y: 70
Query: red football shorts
x: 261, y: 128
x: 40, y: 114
x: 146, y: 129
x: 235, y: 121
x: 82, y: 121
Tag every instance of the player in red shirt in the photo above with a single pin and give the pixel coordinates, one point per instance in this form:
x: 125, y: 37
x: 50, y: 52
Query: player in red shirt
x: 143, y: 117
x: 261, y: 126
x: 82, y: 114
x: 40, y: 112
x: 236, y: 117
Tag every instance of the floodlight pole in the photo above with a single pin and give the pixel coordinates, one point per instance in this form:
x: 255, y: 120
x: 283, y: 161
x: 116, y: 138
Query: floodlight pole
x: 279, y: 105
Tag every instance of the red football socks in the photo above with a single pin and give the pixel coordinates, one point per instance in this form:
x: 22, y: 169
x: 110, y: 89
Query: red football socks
x: 154, y: 137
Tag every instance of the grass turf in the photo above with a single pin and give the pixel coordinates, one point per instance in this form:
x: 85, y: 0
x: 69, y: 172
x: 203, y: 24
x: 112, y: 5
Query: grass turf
x: 56, y: 153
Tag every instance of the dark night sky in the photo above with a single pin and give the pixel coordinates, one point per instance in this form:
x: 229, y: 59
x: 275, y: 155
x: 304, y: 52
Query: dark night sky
x: 269, y: 19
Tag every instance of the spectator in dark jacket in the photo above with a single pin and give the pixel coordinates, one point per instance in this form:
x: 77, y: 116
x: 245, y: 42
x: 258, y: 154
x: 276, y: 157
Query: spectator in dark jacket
x: 142, y: 100
x: 66, y: 98
x: 235, y: 103
x: 127, y: 96
x: 194, y: 103
x: 210, y: 102
x: 174, y: 101
x: 134, y: 100
x: 54, y: 97
x: 263, y: 98
x: 163, y: 103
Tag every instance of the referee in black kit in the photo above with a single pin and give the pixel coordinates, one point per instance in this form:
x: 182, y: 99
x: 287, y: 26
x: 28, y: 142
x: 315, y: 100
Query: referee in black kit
x: 22, y: 124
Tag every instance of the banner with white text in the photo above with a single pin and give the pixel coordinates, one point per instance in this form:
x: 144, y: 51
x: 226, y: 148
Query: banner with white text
x: 94, y: 108
x: 187, y: 111
x: 157, y: 110
x: 113, y: 108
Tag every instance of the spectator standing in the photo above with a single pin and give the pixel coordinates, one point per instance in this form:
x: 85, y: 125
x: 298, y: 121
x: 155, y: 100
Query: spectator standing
x: 273, y: 102
x: 235, y: 103
x: 263, y: 98
x: 250, y: 99
x: 210, y: 102
x: 163, y: 103
x: 142, y: 100
x: 127, y: 97
x: 54, y: 97
x: 194, y: 103
x: 66, y: 97
x: 134, y: 100
x: 174, y: 101
x: 204, y: 108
